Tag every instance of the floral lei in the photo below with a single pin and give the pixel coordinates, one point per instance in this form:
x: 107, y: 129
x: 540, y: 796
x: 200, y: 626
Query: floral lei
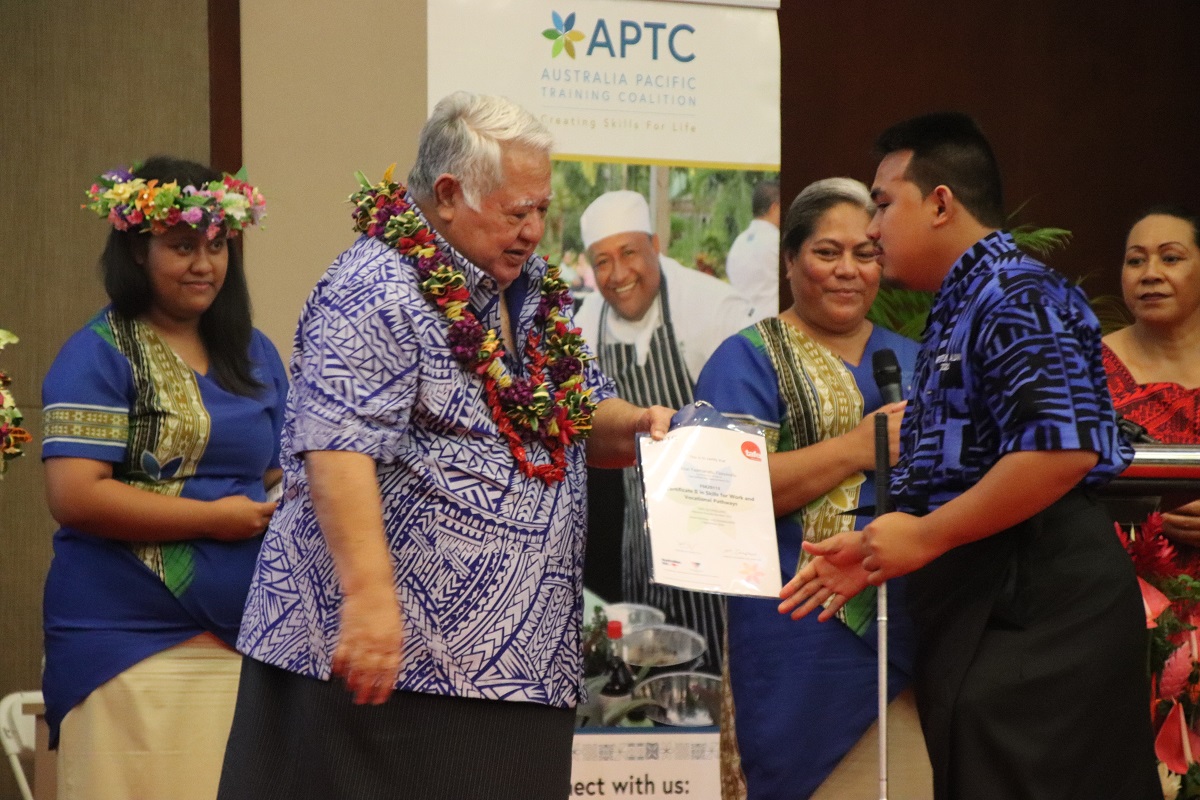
x: 551, y: 404
x: 128, y: 202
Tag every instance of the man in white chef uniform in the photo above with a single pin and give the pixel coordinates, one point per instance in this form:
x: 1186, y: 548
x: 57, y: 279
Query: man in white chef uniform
x: 652, y: 327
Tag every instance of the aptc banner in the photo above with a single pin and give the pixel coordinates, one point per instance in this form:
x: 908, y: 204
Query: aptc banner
x: 677, y: 100
x: 634, y: 81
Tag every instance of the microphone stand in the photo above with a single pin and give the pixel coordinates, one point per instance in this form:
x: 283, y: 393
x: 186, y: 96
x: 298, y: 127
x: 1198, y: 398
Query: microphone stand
x: 883, y: 504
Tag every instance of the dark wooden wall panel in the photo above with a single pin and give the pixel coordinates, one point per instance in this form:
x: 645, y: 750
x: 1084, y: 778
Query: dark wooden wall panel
x: 225, y: 84
x: 1091, y: 107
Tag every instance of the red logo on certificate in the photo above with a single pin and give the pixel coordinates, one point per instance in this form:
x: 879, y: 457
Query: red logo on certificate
x: 750, y: 450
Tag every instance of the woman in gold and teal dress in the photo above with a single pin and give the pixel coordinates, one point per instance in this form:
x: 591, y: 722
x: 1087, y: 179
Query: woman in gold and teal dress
x: 162, y: 422
x: 803, y: 693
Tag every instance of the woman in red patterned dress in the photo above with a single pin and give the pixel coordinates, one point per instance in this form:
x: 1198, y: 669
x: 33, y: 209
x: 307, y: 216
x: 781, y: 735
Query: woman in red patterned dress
x: 1153, y: 365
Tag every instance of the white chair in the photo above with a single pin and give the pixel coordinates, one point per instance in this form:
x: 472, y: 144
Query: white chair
x: 17, y: 731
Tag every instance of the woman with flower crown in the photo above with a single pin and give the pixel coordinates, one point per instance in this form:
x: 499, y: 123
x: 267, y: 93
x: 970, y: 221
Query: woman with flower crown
x: 428, y: 551
x: 162, y: 422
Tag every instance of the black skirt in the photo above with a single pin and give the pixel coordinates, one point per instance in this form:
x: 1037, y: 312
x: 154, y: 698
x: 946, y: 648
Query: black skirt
x: 296, y: 737
x: 1031, y: 663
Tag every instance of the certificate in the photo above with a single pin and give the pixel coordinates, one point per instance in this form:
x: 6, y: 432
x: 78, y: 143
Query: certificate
x: 709, y: 513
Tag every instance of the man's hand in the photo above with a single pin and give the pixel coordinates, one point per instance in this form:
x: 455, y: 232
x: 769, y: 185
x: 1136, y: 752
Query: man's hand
x: 370, y: 644
x: 832, y: 577
x: 615, y: 426
x: 895, y: 546
x: 345, y: 495
x: 656, y: 421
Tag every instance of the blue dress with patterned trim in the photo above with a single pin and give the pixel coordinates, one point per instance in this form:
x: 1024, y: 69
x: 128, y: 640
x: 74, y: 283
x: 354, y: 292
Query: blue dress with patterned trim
x: 117, y: 393
x: 807, y: 683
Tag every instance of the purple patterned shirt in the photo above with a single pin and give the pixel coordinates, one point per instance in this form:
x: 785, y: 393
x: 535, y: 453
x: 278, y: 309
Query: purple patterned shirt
x: 487, y: 562
x: 1010, y: 362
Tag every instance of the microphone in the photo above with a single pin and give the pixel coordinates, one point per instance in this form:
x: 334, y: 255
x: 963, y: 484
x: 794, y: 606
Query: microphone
x: 887, y: 375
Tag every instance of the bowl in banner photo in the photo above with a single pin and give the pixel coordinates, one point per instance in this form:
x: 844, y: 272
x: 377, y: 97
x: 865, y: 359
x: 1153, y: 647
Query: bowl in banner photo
x: 634, y: 615
x: 683, y: 699
x: 659, y: 648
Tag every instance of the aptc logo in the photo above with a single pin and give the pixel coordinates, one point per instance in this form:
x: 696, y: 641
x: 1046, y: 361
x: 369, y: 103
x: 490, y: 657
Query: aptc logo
x: 563, y: 34
x: 624, y: 37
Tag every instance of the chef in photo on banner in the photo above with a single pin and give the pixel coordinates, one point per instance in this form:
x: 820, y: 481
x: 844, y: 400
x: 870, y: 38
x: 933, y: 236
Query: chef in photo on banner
x: 652, y: 328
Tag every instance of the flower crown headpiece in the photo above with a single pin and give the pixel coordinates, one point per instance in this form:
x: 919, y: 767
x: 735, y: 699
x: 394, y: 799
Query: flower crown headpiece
x: 128, y: 202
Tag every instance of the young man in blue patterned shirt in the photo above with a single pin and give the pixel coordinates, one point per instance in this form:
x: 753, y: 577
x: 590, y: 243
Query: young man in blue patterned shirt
x: 1030, y: 674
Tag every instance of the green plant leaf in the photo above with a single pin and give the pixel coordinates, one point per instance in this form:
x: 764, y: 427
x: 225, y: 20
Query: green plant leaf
x: 1040, y: 241
x: 1112, y: 313
x: 901, y: 310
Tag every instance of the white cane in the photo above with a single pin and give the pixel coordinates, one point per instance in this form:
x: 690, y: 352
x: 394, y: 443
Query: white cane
x: 882, y: 506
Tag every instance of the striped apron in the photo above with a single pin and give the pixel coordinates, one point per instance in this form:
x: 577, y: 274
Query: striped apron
x: 664, y: 381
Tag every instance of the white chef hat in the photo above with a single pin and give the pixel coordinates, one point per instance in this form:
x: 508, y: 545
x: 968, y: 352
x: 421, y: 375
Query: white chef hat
x: 612, y: 213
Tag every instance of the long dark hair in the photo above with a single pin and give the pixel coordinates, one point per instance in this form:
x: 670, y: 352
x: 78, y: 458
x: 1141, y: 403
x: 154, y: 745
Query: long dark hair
x: 225, y: 327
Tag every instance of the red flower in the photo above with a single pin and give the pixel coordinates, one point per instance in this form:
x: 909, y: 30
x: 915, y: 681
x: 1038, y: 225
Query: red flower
x: 1175, y: 674
x: 1176, y: 745
x: 1152, y: 553
x: 1153, y: 601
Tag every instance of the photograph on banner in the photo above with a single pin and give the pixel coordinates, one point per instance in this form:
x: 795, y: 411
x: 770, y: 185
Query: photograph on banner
x: 697, y: 212
x: 663, y: 664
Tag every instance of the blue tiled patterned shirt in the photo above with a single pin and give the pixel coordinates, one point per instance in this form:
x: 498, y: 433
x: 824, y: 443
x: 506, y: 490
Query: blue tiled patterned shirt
x: 488, y: 562
x: 1010, y: 362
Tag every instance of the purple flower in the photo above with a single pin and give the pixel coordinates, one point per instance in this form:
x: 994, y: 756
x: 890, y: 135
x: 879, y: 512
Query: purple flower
x: 382, y: 215
x: 193, y: 215
x: 564, y: 369
x: 427, y: 265
x: 465, y: 337
x: 119, y: 175
x: 518, y: 394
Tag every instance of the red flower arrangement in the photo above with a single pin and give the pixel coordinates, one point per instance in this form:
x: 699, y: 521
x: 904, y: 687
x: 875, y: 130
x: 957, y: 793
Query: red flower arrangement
x: 1171, y: 597
x: 550, y: 404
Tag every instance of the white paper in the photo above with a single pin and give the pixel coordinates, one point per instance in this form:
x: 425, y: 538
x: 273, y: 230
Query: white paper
x: 709, y: 512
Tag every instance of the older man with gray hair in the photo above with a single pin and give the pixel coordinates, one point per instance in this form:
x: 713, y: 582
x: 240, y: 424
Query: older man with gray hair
x: 428, y: 548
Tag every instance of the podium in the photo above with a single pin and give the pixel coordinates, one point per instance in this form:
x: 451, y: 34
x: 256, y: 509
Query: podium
x: 1161, y: 477
x: 1160, y: 469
